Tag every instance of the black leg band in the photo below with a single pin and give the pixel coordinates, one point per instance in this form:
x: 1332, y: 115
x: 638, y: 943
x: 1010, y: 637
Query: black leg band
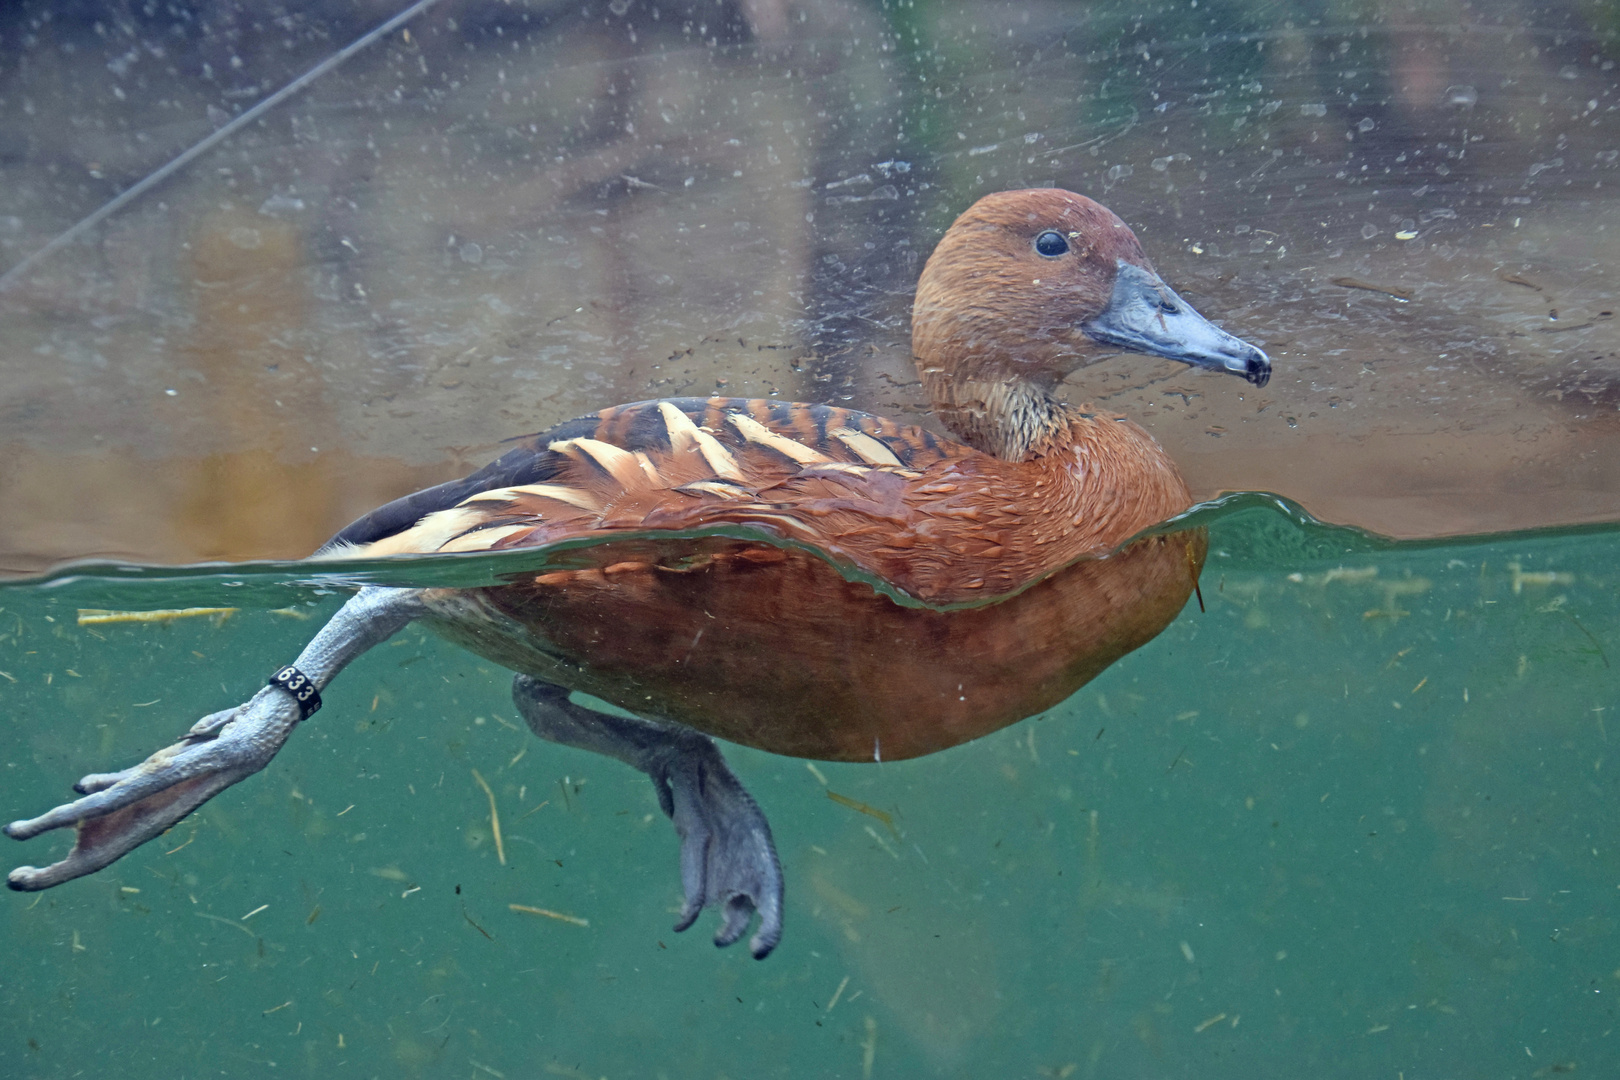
x: 301, y: 687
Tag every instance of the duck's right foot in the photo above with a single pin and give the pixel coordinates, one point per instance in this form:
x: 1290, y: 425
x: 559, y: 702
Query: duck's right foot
x: 728, y: 860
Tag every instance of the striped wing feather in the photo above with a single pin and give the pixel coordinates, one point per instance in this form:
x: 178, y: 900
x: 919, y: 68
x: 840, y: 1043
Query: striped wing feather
x: 813, y: 473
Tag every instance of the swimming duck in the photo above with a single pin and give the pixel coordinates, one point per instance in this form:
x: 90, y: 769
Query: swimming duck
x: 804, y: 579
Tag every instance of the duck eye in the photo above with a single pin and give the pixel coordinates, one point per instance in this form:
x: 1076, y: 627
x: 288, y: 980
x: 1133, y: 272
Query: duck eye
x: 1051, y: 244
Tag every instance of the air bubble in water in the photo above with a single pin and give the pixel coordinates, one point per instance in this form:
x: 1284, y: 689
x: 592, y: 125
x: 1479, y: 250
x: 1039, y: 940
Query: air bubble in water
x: 1116, y: 173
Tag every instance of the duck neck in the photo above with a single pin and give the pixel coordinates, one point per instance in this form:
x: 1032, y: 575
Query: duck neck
x: 1009, y: 418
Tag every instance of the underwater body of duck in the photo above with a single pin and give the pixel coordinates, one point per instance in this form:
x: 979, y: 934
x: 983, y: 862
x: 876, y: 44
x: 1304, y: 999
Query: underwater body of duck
x: 1004, y: 582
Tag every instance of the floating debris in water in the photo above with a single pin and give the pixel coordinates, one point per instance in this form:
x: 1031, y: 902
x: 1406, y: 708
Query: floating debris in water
x: 870, y: 811
x: 494, y: 818
x: 548, y: 913
x: 1403, y: 295
x: 96, y: 616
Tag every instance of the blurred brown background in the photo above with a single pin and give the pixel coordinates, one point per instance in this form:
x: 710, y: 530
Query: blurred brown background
x: 513, y: 213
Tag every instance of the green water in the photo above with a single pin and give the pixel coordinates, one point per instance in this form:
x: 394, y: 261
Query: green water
x: 1356, y: 819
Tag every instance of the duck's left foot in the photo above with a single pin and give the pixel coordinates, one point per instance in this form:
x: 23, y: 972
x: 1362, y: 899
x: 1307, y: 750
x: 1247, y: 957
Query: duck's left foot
x: 728, y: 860
x: 121, y: 811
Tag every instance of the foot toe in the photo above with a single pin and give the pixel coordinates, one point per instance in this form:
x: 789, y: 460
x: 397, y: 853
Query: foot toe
x: 770, y: 934
x: 689, y: 913
x: 95, y: 782
x: 739, y: 912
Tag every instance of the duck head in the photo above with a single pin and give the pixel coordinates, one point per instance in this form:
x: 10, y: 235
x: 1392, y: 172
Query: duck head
x: 1028, y: 286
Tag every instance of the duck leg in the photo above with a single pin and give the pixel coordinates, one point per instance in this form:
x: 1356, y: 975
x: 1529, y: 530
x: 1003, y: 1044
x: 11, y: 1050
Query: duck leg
x: 728, y: 860
x: 123, y: 810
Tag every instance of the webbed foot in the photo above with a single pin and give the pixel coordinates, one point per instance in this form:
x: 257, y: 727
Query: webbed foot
x: 123, y: 810
x: 728, y: 860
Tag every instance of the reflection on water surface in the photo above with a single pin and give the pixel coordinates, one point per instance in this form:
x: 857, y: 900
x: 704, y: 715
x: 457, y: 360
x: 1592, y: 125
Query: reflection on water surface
x: 514, y: 214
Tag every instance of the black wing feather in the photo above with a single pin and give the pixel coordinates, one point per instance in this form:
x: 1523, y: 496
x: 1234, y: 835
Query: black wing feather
x: 527, y: 463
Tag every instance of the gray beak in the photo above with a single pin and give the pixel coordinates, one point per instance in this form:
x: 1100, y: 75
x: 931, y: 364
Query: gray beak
x: 1145, y: 315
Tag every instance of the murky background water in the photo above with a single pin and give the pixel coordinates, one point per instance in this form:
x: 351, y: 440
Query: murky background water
x: 1354, y: 820
x: 1357, y: 819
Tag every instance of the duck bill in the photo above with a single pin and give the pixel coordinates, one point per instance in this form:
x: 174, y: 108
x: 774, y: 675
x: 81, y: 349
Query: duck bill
x: 1145, y: 315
